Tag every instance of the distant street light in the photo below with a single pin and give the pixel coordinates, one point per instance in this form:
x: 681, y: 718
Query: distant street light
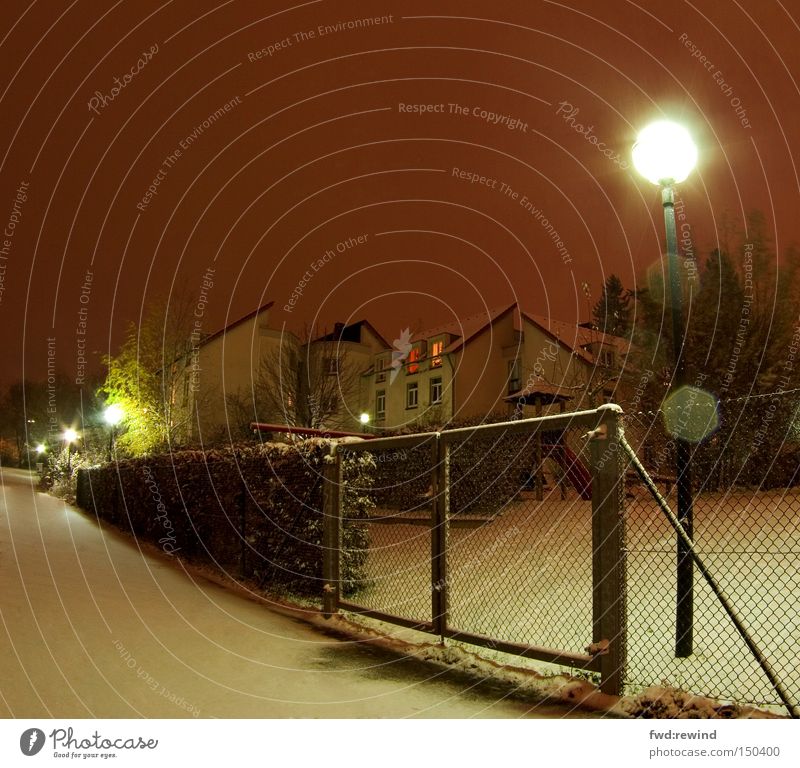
x: 40, y: 449
x: 364, y: 419
x: 665, y: 155
x: 112, y: 415
x: 70, y: 436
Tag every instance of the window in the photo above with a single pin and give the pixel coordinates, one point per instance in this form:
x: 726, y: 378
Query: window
x: 380, y: 404
x: 412, y: 395
x: 380, y: 368
x: 607, y: 358
x: 436, y: 354
x: 414, y: 356
x: 436, y: 391
x: 513, y: 376
x: 331, y: 365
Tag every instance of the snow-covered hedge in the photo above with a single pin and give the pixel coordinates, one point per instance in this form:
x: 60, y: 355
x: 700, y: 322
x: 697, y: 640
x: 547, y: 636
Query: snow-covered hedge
x: 255, y: 511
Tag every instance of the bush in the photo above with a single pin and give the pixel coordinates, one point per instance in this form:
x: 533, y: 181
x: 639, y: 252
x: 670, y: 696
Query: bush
x: 257, y: 510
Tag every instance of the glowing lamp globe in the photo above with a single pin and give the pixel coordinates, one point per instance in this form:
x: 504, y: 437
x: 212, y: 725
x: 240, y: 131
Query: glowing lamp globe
x: 364, y: 418
x: 664, y: 153
x: 70, y: 435
x: 40, y: 449
x: 113, y: 415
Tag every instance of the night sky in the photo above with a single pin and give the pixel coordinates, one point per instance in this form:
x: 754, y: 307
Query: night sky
x: 431, y: 152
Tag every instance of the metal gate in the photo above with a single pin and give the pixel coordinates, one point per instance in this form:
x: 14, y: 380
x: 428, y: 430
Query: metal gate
x: 508, y: 536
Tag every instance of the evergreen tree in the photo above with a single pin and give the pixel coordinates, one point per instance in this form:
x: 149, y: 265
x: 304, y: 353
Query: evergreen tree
x: 612, y: 313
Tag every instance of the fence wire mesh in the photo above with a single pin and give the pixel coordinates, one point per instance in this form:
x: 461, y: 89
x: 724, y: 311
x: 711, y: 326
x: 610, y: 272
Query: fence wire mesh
x: 520, y: 545
x: 395, y: 577
x: 746, y: 513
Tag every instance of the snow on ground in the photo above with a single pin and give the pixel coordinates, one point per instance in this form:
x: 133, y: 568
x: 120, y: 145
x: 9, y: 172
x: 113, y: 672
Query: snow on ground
x: 94, y: 625
x: 526, y: 577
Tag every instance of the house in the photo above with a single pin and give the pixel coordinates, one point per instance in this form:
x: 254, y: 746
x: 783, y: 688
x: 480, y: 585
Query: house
x: 250, y: 371
x: 502, y: 361
x: 224, y: 366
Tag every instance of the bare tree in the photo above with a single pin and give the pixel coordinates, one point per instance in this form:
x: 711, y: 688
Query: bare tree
x: 309, y: 381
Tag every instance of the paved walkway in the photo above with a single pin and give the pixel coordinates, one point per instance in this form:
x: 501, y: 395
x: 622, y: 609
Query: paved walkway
x: 90, y: 626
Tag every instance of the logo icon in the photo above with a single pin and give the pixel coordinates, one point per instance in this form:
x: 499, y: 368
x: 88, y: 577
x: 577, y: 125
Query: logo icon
x: 31, y: 741
x: 400, y: 353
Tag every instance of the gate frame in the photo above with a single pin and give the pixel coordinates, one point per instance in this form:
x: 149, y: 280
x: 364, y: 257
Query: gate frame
x: 606, y: 654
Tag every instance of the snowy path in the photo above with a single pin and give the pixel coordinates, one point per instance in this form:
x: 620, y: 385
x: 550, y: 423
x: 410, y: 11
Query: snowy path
x: 90, y: 626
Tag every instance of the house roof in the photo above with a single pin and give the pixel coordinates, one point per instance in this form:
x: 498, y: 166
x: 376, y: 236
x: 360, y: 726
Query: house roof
x: 235, y: 323
x: 573, y: 337
x: 577, y: 338
x: 464, y: 329
x: 352, y: 333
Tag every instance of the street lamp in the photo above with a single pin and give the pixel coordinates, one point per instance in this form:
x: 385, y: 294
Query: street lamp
x: 364, y: 419
x: 665, y: 155
x: 112, y: 416
x: 70, y: 436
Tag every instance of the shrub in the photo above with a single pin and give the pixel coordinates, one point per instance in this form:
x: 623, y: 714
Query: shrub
x: 255, y: 509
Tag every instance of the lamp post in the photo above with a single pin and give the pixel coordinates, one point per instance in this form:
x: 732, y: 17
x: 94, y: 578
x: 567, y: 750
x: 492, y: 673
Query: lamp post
x: 665, y: 155
x: 364, y: 419
x: 112, y: 416
x: 70, y: 436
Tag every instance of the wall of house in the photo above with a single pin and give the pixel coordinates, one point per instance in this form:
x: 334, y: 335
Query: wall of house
x: 482, y: 370
x: 229, y: 365
x: 426, y: 412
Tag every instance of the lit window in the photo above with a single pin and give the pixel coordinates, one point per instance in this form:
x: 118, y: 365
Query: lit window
x: 436, y: 354
x: 412, y: 395
x: 436, y: 391
x: 414, y: 357
x: 380, y: 404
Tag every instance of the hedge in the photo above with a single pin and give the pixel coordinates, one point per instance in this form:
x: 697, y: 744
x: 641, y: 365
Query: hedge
x: 253, y: 511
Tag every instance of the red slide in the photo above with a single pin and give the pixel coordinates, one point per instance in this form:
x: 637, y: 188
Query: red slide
x: 577, y: 474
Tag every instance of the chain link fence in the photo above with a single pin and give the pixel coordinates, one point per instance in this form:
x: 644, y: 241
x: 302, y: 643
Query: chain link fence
x: 485, y: 534
x: 746, y: 521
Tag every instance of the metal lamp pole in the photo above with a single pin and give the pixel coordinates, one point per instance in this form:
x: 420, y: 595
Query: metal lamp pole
x: 684, y: 611
x: 665, y: 155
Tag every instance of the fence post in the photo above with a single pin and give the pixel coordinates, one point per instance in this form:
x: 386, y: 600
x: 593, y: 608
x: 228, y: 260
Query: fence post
x: 331, y: 532
x: 441, y: 504
x: 608, y: 550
